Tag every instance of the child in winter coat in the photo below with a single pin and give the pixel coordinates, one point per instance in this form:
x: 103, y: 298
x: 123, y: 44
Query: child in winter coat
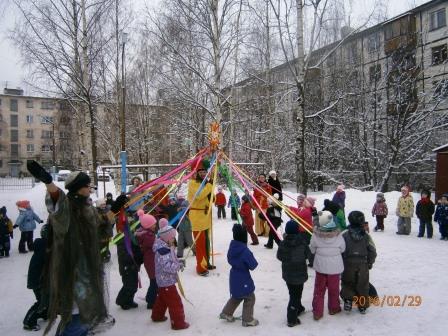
x: 35, y: 281
x: 146, y: 236
x: 234, y: 204
x: 441, y: 216
x: 248, y: 219
x: 6, y: 232
x: 337, y: 212
x: 242, y: 287
x: 220, y: 202
x: 185, y: 234
x: 293, y: 252
x: 359, y: 256
x: 424, y: 211
x: 405, y: 211
x: 105, y: 231
x: 27, y: 224
x: 274, y: 214
x: 166, y: 267
x: 339, y: 196
x: 379, y: 211
x: 327, y: 245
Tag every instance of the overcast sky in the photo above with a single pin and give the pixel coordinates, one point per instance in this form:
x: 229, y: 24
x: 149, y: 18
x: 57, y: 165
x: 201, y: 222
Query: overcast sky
x: 12, y: 74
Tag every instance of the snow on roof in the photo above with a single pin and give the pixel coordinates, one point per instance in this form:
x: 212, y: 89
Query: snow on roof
x: 440, y: 148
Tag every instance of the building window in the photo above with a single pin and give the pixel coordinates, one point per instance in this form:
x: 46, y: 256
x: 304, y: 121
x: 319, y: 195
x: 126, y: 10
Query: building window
x: 29, y: 103
x: 374, y: 43
x: 47, y: 134
x: 375, y: 73
x: 29, y: 134
x: 46, y: 120
x: 29, y: 119
x: 13, y: 105
x: 30, y: 148
x: 439, y: 54
x: 14, y: 135
x: 14, y: 150
x: 440, y: 89
x: 437, y: 19
x: 47, y: 105
x: 46, y: 148
x: 63, y: 135
x: 14, y: 120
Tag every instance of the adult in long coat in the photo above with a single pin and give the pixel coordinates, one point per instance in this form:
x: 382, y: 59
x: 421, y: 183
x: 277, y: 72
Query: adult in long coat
x: 201, y: 219
x: 275, y: 184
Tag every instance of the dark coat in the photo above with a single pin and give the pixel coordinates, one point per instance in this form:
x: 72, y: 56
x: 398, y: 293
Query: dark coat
x: 146, y: 239
x: 275, y: 215
x: 425, y: 210
x: 127, y: 263
x: 276, y: 187
x: 359, y: 247
x: 441, y: 215
x: 293, y: 252
x: 37, y: 263
x: 339, y: 199
x: 242, y: 261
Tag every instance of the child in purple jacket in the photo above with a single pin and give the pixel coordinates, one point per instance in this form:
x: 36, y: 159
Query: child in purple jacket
x: 379, y: 211
x: 242, y: 286
x: 167, y: 265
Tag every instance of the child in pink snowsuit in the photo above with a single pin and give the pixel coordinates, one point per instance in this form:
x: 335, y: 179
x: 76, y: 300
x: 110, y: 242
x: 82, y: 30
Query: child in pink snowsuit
x: 327, y: 245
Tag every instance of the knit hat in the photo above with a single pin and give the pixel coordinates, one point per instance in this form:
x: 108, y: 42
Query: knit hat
x: 166, y: 232
x: 23, y: 204
x: 272, y: 172
x: 356, y: 218
x: 147, y: 221
x: 291, y: 227
x: 311, y: 200
x: 239, y: 233
x: 76, y: 181
x: 100, y: 202
x: 3, y: 210
x: 276, y: 196
x: 380, y: 195
x: 340, y: 187
x: 326, y: 221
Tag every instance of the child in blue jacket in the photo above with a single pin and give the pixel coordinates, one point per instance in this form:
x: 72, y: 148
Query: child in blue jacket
x: 242, y: 286
x: 441, y: 216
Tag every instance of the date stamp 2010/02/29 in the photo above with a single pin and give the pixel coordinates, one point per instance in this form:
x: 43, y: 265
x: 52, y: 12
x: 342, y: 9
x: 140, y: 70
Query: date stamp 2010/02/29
x: 389, y: 301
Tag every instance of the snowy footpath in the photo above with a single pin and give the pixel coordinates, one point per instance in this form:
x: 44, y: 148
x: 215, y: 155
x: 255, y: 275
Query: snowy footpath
x: 406, y: 266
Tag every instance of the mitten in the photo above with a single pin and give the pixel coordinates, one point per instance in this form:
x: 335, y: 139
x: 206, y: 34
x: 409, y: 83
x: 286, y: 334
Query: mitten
x: 119, y: 203
x: 39, y: 172
x: 41, y: 221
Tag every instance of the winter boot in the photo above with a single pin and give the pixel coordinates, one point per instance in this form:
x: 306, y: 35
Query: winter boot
x: 228, y: 318
x: 362, y: 310
x: 293, y: 324
x: 252, y: 323
x: 348, y: 305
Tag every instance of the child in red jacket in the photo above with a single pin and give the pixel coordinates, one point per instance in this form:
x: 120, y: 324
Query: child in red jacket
x: 220, y: 202
x: 248, y: 219
x: 379, y: 211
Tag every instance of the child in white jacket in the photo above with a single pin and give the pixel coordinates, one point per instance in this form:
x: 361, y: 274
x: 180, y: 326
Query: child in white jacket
x: 327, y: 245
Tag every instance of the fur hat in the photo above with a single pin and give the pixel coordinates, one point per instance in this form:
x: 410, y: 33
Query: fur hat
x: 166, y: 232
x: 147, y: 221
x: 326, y: 221
x: 100, y: 202
x: 24, y: 204
x: 356, y: 218
x: 3, y: 211
x: 276, y: 196
x: 272, y: 172
x: 76, y: 181
x: 380, y: 195
x: 340, y: 187
x: 291, y: 227
x: 239, y: 233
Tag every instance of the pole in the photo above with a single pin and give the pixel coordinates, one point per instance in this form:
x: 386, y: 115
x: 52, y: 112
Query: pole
x: 54, y: 148
x: 123, y: 155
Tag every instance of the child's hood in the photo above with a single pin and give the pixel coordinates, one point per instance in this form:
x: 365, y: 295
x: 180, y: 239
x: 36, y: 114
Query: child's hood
x: 161, y: 247
x: 236, y: 250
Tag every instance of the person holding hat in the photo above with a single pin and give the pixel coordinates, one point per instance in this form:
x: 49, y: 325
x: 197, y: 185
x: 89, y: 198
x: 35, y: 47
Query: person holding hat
x: 166, y: 267
x: 146, y: 236
x: 76, y: 282
x: 242, y: 287
x: 424, y: 210
x: 27, y: 224
x: 275, y: 184
x: 327, y: 245
x: 405, y: 212
x: 201, y: 218
x: 359, y: 256
x: 6, y: 233
x: 261, y: 227
x: 293, y: 252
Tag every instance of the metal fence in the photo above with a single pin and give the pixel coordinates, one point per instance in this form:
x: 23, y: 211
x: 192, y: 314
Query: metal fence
x: 15, y: 183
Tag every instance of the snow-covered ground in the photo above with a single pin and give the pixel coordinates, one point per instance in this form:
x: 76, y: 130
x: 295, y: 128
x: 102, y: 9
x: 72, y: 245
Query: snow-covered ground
x: 406, y: 265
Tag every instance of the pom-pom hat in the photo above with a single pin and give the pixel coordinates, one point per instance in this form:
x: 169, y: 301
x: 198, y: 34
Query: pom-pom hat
x: 146, y: 221
x: 166, y: 232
